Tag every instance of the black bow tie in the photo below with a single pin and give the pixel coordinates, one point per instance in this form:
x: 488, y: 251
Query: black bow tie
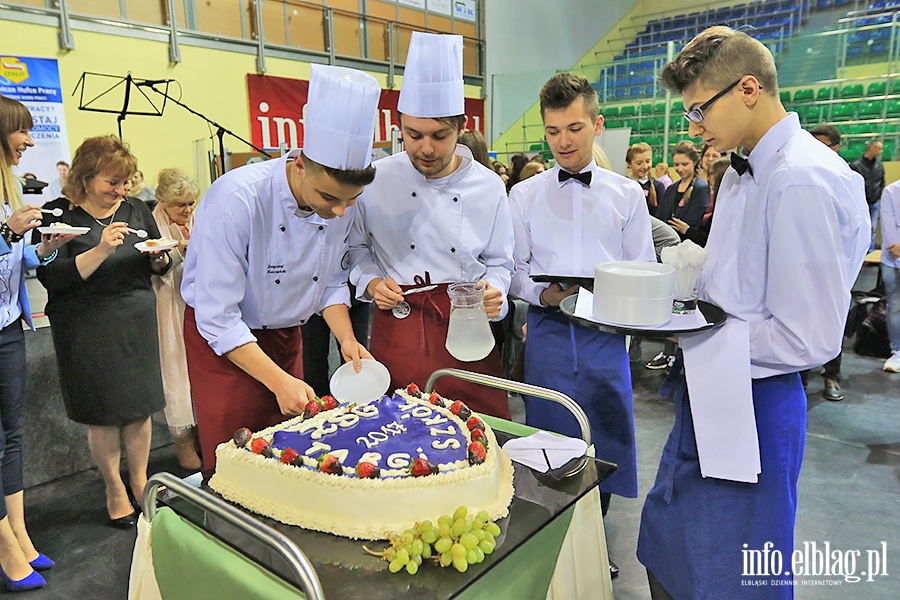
x: 740, y: 164
x: 584, y: 178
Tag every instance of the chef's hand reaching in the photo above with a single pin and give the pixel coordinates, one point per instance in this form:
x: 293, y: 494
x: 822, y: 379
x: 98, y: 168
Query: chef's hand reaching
x: 493, y: 300
x: 353, y: 351
x: 386, y: 293
x: 553, y: 294
x: 292, y: 395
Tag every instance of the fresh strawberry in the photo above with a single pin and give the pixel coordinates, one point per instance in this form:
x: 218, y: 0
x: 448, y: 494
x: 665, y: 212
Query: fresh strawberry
x: 329, y: 464
x: 311, y: 410
x: 459, y: 409
x: 475, y: 423
x: 289, y: 455
x: 366, y: 470
x: 242, y: 436
x: 328, y: 402
x: 436, y: 399
x: 258, y: 445
x: 476, y: 453
x: 478, y: 435
x: 413, y: 390
x: 422, y: 467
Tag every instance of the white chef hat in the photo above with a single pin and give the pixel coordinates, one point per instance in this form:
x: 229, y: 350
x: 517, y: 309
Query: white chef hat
x: 433, y: 76
x: 341, y: 110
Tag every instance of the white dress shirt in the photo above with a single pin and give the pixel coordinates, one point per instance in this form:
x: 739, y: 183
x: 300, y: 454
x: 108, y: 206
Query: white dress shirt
x: 457, y: 228
x: 786, y: 245
x: 568, y: 228
x: 256, y: 261
x: 890, y: 223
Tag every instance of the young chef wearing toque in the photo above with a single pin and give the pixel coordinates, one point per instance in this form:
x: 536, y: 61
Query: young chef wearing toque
x: 269, y: 249
x: 566, y: 221
x: 434, y: 215
x: 787, y: 243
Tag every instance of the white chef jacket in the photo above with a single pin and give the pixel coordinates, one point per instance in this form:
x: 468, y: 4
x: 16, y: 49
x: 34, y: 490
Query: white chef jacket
x: 457, y: 228
x: 890, y: 223
x: 567, y: 228
x: 256, y: 261
x: 786, y: 245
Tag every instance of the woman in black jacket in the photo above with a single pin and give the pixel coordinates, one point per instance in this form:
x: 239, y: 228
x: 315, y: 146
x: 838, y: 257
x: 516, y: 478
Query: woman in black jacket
x: 688, y: 199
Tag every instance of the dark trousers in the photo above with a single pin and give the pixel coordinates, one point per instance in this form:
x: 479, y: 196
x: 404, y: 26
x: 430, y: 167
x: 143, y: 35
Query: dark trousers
x: 12, y: 409
x: 316, y: 341
x: 832, y: 370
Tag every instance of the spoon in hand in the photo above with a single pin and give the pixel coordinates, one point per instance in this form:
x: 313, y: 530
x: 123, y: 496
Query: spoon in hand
x: 138, y: 232
x: 56, y: 212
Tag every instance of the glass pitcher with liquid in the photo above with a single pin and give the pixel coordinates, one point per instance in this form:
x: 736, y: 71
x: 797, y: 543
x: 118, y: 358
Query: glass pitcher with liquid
x: 469, y: 336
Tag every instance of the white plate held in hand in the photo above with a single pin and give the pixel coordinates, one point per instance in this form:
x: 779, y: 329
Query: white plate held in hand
x: 143, y: 247
x: 64, y: 230
x: 371, y: 383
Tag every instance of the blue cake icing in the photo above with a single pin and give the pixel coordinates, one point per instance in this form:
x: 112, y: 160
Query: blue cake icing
x: 392, y: 427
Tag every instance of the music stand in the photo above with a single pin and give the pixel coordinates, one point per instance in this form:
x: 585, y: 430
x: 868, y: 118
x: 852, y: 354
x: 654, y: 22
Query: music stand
x: 128, y: 83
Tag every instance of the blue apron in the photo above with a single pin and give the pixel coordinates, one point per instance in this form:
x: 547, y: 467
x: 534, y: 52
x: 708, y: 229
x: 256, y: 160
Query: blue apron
x: 591, y: 367
x: 696, y: 532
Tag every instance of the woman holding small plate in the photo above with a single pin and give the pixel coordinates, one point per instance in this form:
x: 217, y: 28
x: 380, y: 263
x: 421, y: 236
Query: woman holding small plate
x: 103, y: 314
x: 19, y: 559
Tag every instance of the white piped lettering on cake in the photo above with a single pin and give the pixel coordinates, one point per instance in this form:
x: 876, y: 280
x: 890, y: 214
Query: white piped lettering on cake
x: 437, y: 419
x: 445, y: 443
x: 421, y: 412
x: 366, y: 411
x: 399, y: 460
x: 344, y: 420
x: 317, y: 448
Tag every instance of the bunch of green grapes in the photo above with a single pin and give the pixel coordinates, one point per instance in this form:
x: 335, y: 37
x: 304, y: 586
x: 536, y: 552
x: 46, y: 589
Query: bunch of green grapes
x: 459, y: 540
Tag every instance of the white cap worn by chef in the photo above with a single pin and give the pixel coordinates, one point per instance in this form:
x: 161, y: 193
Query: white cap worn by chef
x: 433, y: 77
x: 341, y: 110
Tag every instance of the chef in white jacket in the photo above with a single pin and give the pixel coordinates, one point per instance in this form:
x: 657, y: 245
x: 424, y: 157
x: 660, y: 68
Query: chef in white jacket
x: 269, y: 249
x: 433, y: 216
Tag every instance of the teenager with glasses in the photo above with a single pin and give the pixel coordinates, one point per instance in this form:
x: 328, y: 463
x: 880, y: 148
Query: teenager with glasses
x: 787, y: 243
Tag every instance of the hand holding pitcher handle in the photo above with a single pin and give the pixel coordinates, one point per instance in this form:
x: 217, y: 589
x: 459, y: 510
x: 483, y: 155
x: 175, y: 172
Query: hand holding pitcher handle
x: 493, y: 300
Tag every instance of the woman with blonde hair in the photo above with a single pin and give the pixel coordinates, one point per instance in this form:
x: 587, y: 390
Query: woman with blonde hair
x: 19, y: 560
x: 103, y: 316
x: 176, y: 196
x: 639, y: 158
x: 530, y: 170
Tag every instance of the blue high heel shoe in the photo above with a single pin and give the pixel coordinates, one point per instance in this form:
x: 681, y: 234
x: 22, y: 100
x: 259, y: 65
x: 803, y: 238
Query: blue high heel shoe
x: 32, y: 582
x: 41, y: 563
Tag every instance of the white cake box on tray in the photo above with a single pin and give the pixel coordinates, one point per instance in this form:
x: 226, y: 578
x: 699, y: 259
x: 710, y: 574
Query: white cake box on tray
x: 633, y: 293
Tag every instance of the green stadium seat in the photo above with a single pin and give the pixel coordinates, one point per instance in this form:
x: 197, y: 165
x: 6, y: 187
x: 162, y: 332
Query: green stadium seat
x: 678, y: 106
x: 893, y: 108
x: 612, y: 111
x: 646, y: 125
x: 855, y: 149
x: 859, y: 129
x: 785, y: 97
x: 646, y: 109
x: 879, y: 88
x: 628, y: 111
x: 845, y: 154
x: 804, y: 95
x: 852, y: 91
x: 826, y: 93
x: 655, y: 141
x: 843, y: 112
x: 890, y: 146
x: 871, y: 109
x: 809, y: 114
x: 659, y: 108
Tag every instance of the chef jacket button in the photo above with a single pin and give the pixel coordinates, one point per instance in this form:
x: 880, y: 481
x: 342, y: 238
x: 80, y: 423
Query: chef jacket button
x: 282, y: 228
x: 412, y: 246
x: 277, y: 281
x: 315, y: 278
x: 302, y: 321
x: 413, y: 194
x: 321, y: 227
x: 456, y: 199
x: 452, y: 249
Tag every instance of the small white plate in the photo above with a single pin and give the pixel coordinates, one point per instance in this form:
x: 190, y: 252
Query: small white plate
x: 371, y: 383
x: 143, y: 247
x: 65, y: 230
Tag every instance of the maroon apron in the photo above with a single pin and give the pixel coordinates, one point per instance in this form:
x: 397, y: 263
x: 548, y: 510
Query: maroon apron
x: 225, y: 397
x: 413, y: 348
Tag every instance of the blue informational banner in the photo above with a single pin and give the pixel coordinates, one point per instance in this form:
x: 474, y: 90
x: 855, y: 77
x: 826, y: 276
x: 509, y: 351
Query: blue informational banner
x: 35, y: 83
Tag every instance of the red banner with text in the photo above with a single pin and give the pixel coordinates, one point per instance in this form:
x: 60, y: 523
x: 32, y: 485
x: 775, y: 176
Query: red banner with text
x: 278, y: 110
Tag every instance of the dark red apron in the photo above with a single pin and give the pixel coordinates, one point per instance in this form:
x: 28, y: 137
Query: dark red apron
x: 225, y: 397
x: 413, y: 348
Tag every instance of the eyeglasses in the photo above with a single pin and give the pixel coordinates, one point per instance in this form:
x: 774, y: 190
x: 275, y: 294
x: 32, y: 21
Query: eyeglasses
x: 696, y: 115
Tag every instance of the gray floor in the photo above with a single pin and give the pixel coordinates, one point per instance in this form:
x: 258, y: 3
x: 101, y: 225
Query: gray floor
x: 849, y: 493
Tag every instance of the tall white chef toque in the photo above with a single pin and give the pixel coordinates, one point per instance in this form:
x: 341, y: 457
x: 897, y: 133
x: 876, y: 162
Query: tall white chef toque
x: 433, y: 77
x: 341, y: 111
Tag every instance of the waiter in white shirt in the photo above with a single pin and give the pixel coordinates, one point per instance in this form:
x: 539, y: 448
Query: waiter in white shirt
x: 434, y: 215
x: 566, y: 221
x: 270, y: 249
x: 787, y: 243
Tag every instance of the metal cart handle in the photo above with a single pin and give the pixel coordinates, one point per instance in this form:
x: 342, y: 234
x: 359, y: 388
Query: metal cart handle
x: 519, y: 388
x: 289, y: 550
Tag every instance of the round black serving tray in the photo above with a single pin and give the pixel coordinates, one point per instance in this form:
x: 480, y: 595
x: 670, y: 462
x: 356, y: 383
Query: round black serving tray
x: 715, y: 317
